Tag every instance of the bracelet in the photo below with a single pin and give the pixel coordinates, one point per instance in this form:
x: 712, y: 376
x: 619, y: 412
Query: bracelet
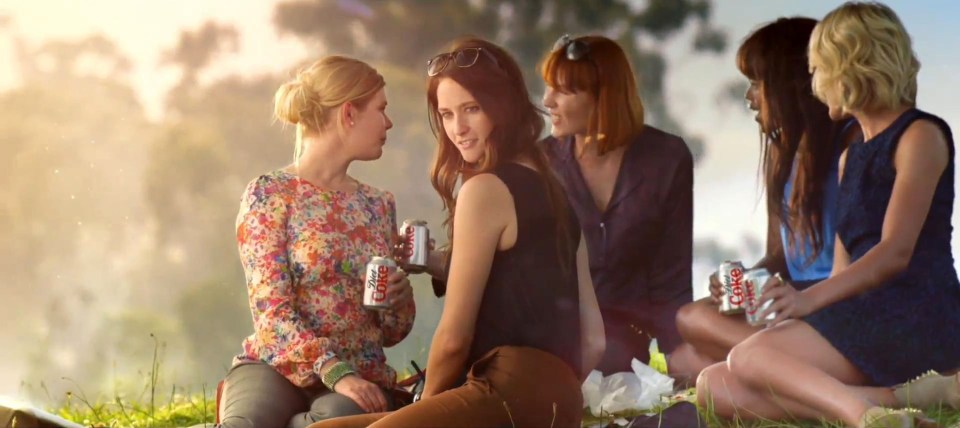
x: 337, y: 372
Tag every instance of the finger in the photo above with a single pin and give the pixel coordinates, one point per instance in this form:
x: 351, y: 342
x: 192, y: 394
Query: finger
x: 379, y: 400
x: 400, y: 297
x: 780, y: 306
x: 774, y: 293
x: 369, y: 397
x: 397, y: 276
x: 715, y: 280
x: 405, y: 293
x: 716, y: 290
x: 774, y: 281
x: 781, y: 317
x: 399, y: 289
x: 776, y: 308
x: 358, y: 398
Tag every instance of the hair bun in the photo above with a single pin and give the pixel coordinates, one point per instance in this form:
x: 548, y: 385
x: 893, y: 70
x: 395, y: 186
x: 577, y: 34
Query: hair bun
x: 290, y: 102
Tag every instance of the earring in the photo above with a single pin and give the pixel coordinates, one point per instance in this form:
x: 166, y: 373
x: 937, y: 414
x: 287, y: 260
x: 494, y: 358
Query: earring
x: 351, y: 123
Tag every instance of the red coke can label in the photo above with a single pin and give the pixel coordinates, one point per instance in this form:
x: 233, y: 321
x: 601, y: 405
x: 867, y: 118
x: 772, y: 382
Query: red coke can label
x: 415, y: 244
x: 755, y: 280
x: 375, y: 283
x: 734, y: 297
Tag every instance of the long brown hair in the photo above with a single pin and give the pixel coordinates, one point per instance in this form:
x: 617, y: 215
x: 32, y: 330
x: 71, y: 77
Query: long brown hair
x: 517, y: 125
x: 606, y: 73
x: 795, y: 125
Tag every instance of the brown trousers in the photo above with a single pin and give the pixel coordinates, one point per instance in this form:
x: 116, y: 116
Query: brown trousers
x: 508, y: 387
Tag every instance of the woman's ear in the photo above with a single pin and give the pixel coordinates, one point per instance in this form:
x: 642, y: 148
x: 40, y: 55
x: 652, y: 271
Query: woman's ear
x: 348, y: 113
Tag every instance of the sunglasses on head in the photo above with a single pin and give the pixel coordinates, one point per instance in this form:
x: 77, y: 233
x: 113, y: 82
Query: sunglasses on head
x: 574, y: 49
x: 462, y: 58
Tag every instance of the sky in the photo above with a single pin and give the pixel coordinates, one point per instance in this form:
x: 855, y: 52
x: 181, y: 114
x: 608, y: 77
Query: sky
x: 728, y: 202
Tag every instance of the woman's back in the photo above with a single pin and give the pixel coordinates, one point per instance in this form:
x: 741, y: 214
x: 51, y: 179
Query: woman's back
x: 866, y: 189
x: 531, y: 297
x: 861, y: 327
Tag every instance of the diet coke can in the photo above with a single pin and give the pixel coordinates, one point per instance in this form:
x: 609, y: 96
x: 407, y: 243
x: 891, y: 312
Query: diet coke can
x: 733, y: 300
x: 375, y: 283
x: 755, y: 280
x: 415, y: 244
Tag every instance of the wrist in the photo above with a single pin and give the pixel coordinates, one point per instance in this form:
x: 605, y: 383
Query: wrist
x: 436, y: 264
x: 815, y: 299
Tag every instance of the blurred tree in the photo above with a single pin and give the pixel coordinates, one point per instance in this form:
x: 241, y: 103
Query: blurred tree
x: 71, y: 157
x: 407, y: 32
x: 215, y: 138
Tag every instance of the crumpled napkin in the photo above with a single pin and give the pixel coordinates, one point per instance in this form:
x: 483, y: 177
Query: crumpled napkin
x: 639, y: 390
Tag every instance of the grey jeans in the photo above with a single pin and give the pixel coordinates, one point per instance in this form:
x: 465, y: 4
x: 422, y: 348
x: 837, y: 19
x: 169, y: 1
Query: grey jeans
x: 255, y: 395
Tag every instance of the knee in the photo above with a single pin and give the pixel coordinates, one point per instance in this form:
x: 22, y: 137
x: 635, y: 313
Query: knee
x: 712, y: 397
x: 744, y: 359
x: 240, y: 422
x: 693, y: 321
x: 333, y: 405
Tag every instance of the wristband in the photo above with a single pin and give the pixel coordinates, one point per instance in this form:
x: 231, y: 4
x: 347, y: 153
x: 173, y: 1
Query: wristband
x: 337, y: 372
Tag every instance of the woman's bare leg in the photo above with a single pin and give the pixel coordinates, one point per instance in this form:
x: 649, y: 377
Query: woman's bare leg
x: 725, y: 395
x: 795, y: 366
x: 708, y: 336
x: 711, y: 333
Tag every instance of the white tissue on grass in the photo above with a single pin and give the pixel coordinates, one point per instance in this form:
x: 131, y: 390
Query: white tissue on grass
x: 638, y: 390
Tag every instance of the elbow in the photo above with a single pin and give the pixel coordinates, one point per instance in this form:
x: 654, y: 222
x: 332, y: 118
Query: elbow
x: 898, y: 259
x: 595, y: 345
x: 598, y: 348
x: 452, y: 346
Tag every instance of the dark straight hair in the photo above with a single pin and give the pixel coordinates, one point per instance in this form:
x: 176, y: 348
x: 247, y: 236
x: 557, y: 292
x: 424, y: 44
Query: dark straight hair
x: 795, y: 126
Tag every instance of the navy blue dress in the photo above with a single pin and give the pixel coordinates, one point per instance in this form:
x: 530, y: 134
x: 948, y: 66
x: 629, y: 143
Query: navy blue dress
x: 909, y: 324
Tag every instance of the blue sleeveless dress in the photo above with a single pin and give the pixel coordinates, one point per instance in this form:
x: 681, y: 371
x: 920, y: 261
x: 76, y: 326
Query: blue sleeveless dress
x: 910, y: 323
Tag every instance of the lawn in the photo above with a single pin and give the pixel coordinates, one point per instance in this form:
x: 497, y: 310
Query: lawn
x: 182, y: 411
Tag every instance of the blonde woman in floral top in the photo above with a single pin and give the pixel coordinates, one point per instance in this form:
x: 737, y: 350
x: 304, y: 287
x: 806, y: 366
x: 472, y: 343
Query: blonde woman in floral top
x: 305, y: 234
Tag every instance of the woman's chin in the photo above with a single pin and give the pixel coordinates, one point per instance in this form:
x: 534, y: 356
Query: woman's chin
x: 558, y: 132
x: 373, y: 155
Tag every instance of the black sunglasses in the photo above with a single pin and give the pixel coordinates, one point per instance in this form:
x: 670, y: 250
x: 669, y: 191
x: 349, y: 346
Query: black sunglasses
x: 574, y: 49
x: 462, y: 58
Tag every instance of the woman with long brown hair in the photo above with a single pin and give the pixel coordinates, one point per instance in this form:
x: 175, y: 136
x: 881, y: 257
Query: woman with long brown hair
x: 520, y: 316
x: 799, y: 150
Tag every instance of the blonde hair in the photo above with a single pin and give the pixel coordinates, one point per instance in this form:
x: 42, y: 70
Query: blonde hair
x: 317, y: 91
x: 863, y: 58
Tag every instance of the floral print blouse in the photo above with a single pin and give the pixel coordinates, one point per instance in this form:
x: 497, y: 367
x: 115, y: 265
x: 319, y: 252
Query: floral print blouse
x: 304, y: 250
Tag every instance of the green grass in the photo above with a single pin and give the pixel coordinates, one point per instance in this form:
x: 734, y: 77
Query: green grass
x: 182, y: 411
x: 178, y: 411
x: 152, y: 408
x: 946, y: 417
